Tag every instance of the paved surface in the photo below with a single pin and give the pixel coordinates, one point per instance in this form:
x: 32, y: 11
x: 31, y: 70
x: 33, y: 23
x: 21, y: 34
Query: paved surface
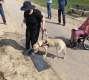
x: 75, y: 65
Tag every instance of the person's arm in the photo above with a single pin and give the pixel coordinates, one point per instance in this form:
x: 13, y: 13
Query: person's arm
x: 24, y: 21
x: 40, y: 18
x: 42, y: 26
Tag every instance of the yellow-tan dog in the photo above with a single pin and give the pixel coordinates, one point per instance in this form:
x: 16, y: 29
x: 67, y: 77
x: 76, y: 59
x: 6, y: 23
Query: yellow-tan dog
x: 58, y: 43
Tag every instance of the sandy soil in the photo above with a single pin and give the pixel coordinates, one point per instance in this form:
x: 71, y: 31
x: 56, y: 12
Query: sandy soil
x: 14, y: 65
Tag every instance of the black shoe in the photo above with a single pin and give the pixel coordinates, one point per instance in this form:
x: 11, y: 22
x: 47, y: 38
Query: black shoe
x: 26, y: 50
x: 70, y: 44
x: 5, y: 23
x: 59, y: 22
x: 47, y: 17
x: 63, y: 24
x: 50, y: 18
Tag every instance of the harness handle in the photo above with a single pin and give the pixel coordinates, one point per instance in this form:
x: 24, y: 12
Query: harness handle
x: 44, y: 32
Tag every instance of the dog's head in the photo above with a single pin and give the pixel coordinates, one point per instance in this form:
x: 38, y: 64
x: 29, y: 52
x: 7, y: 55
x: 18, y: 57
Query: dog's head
x: 38, y: 44
x: 41, y: 42
x: 36, y: 47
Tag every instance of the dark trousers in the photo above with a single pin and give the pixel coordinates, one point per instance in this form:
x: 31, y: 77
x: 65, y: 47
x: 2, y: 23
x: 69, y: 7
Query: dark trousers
x: 2, y: 14
x: 31, y: 37
x: 49, y: 6
x: 63, y: 15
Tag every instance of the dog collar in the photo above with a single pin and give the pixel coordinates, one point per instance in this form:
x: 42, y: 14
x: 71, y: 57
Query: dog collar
x: 45, y: 44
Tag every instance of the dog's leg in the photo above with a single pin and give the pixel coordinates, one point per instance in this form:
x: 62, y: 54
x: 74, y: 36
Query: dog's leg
x: 45, y: 47
x: 64, y: 51
x: 57, y: 51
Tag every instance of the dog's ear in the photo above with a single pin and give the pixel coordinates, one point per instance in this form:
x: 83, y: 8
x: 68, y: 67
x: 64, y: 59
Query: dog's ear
x: 35, y: 48
x: 44, y: 41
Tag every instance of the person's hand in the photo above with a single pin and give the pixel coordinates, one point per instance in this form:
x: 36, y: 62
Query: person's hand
x: 42, y: 29
x: 22, y: 25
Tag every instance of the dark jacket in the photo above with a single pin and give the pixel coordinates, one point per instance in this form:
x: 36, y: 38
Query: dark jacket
x: 62, y: 3
x: 33, y: 20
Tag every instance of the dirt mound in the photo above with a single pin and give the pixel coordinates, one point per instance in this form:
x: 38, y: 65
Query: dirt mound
x: 16, y: 66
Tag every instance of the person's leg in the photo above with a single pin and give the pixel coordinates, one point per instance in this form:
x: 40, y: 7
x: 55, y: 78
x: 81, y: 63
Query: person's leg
x: 27, y: 46
x: 28, y: 33
x: 59, y: 16
x: 77, y: 34
x: 34, y: 37
x: 72, y: 35
x: 37, y: 36
x: 50, y: 12
x: 71, y: 41
x: 2, y: 14
x: 48, y: 9
x: 63, y: 16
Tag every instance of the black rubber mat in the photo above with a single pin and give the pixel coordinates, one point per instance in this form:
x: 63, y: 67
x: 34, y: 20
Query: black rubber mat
x: 37, y: 59
x: 39, y: 62
x: 23, y: 41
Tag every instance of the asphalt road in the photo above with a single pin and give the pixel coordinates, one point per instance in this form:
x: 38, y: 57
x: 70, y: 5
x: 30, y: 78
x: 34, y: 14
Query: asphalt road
x: 76, y: 64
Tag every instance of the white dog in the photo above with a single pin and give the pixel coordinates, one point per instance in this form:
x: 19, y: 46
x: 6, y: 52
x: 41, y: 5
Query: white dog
x: 58, y: 43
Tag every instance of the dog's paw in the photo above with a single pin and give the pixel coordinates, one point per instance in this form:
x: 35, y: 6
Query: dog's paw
x: 44, y: 55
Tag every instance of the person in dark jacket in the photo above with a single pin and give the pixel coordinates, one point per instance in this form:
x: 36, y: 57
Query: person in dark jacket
x: 32, y: 18
x: 61, y: 9
x: 2, y: 12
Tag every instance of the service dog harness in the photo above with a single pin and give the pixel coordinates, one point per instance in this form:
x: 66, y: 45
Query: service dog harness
x: 45, y: 44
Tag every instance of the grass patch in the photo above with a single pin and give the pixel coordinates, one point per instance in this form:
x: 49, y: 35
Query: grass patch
x: 69, y: 4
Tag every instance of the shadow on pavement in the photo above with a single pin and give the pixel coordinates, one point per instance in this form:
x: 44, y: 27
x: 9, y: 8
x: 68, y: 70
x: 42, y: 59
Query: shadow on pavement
x: 48, y: 54
x: 66, y: 42
x: 12, y: 43
x: 1, y: 23
x: 52, y: 22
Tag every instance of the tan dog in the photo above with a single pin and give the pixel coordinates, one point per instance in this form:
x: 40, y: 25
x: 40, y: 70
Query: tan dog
x: 58, y: 43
